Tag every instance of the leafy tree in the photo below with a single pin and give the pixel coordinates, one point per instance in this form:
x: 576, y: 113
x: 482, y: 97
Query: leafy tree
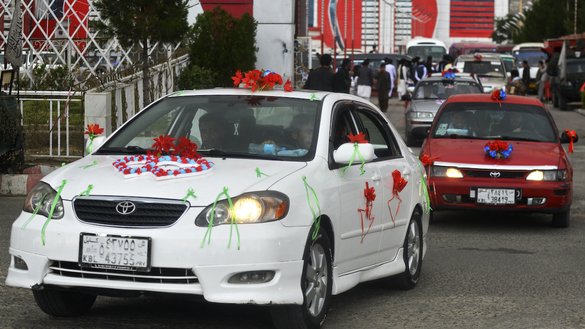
x: 143, y: 21
x: 548, y: 19
x: 195, y: 77
x: 223, y: 44
x: 507, y: 27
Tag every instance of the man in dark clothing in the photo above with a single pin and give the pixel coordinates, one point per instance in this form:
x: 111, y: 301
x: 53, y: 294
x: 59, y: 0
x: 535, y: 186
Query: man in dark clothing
x: 525, y: 73
x: 322, y: 77
x: 365, y: 80
x: 342, y: 78
x: 383, y: 86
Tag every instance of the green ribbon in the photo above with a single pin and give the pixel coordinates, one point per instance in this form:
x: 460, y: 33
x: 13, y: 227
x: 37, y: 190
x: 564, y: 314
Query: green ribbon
x: 53, y: 205
x: 314, y: 97
x: 190, y: 193
x: 232, y: 220
x: 259, y: 173
x: 93, y: 163
x: 87, y: 191
x: 310, y: 192
x: 89, y: 147
x: 36, y: 210
x: 424, y: 190
x: 356, y: 152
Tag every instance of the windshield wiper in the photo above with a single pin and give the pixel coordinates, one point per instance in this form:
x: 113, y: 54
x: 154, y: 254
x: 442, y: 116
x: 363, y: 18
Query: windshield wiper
x: 223, y: 154
x: 527, y: 139
x: 130, y: 149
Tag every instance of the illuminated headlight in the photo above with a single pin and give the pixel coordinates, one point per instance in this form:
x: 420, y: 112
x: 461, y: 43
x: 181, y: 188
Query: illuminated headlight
x: 449, y: 172
x: 256, y: 207
x: 420, y: 115
x: 41, y: 199
x: 547, y: 175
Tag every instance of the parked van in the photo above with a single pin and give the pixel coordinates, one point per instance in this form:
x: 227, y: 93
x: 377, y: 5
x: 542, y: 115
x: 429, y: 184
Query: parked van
x: 464, y: 48
x: 532, y: 52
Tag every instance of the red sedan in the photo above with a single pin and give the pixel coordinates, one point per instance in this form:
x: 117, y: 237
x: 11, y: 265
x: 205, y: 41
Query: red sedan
x: 498, y: 152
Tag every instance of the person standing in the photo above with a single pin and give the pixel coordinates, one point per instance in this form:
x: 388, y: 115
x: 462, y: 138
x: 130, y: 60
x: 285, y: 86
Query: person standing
x: 429, y: 65
x: 321, y: 78
x: 420, y: 72
x: 525, y: 73
x: 515, y: 86
x: 391, y: 69
x: 383, y: 86
x: 365, y: 80
x: 342, y: 78
x: 402, y: 77
x: 541, y: 79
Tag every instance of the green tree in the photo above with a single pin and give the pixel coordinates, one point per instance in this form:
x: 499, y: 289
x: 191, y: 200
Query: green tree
x: 548, y: 19
x: 223, y: 44
x: 507, y: 27
x: 143, y: 21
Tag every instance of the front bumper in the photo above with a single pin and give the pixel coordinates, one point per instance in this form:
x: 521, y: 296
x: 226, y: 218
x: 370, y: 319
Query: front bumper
x: 263, y: 247
x: 453, y: 193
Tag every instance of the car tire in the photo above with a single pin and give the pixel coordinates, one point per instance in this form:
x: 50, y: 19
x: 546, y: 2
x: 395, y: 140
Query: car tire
x: 562, y: 219
x: 412, y: 255
x: 316, y: 280
x: 63, y: 303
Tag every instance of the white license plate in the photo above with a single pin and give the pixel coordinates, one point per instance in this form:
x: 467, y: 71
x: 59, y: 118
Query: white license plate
x: 114, y: 252
x: 496, y: 196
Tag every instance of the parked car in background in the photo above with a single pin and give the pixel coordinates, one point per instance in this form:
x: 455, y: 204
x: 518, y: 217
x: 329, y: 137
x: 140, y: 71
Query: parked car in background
x: 270, y: 197
x: 488, y: 68
x: 571, y: 85
x: 426, y: 99
x: 500, y: 155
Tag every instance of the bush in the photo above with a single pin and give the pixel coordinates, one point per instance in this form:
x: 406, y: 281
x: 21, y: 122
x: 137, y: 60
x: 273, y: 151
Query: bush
x: 195, y: 77
x: 11, y: 136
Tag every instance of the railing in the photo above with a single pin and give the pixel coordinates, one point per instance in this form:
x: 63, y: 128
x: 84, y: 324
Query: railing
x: 53, y: 123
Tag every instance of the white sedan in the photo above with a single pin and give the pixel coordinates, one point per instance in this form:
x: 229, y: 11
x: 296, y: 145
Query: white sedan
x: 266, y: 197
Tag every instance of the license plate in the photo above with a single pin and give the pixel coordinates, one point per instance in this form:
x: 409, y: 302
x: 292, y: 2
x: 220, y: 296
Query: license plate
x: 496, y: 196
x: 114, y: 252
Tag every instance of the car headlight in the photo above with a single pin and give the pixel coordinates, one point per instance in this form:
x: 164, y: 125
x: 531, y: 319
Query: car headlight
x: 547, y: 175
x: 41, y: 198
x: 255, y: 207
x: 420, y: 115
x: 449, y: 172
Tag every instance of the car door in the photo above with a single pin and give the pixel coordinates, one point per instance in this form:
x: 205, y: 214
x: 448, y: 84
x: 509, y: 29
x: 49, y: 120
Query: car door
x: 357, y: 232
x: 394, y: 207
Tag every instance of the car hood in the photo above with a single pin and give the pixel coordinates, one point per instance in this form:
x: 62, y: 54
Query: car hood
x: 238, y: 175
x: 466, y: 151
x: 426, y: 105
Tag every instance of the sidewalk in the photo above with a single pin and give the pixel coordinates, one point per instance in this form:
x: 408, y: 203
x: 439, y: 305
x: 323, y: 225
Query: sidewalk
x: 21, y: 184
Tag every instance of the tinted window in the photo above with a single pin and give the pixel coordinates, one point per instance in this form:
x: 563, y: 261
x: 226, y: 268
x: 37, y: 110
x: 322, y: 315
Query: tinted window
x: 442, y: 89
x: 377, y: 133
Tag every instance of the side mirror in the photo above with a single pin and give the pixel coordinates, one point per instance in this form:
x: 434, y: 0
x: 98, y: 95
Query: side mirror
x: 406, y: 97
x: 91, y: 146
x: 346, y: 153
x: 566, y: 139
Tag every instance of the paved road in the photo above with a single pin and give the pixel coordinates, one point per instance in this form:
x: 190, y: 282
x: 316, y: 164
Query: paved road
x: 482, y: 271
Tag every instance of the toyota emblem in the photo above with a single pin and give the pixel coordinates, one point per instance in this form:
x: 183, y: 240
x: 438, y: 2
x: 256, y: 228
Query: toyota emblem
x: 494, y: 174
x: 125, y: 207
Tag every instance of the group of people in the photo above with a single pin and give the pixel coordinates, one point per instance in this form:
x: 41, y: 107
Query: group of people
x: 545, y: 78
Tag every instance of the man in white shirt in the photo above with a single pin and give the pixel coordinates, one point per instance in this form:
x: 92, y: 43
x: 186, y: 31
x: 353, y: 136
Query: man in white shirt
x: 391, y: 69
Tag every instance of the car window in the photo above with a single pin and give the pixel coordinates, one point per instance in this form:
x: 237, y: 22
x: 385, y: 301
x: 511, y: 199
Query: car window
x: 442, y: 89
x: 279, y: 127
x: 343, y: 125
x: 484, y: 68
x: 377, y: 132
x: 490, y: 121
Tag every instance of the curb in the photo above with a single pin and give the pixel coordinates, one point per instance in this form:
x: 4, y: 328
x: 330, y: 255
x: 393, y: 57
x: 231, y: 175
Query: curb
x: 21, y: 184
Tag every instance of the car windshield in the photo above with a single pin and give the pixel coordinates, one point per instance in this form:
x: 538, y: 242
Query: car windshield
x: 576, y: 67
x: 490, y: 121
x: 244, y: 126
x: 531, y: 56
x: 508, y: 64
x: 485, y: 68
x: 423, y: 51
x: 442, y: 89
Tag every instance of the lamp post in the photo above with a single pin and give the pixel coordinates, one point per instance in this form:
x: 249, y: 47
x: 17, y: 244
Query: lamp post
x: 575, y: 19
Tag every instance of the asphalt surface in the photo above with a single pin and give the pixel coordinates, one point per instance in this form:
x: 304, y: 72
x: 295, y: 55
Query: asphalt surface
x: 482, y: 270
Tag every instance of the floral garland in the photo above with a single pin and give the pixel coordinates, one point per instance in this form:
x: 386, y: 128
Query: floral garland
x: 477, y: 57
x: 498, y: 149
x: 260, y: 80
x: 498, y: 95
x: 449, y: 73
x: 165, y: 160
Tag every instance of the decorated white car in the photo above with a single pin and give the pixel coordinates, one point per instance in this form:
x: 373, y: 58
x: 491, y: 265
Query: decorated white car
x: 263, y: 197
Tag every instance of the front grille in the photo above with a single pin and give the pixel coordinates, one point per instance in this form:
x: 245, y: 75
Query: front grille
x: 162, y: 275
x: 488, y: 173
x: 147, y: 213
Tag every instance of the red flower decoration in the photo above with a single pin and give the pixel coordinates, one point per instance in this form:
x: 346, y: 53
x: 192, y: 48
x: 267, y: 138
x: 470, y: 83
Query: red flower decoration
x: 427, y: 160
x: 186, y: 148
x: 369, y: 193
x: 572, y: 137
x: 477, y: 57
x: 257, y: 79
x: 359, y: 138
x: 237, y: 78
x: 288, y: 86
x: 163, y: 144
x: 94, y: 130
x: 399, y: 182
x: 497, y: 146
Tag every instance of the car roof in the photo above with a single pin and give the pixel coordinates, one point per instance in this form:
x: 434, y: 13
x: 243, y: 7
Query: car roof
x: 484, y: 56
x: 277, y: 92
x: 487, y: 98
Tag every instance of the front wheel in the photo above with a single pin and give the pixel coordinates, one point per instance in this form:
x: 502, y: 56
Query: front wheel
x: 413, y: 249
x: 316, y: 284
x: 562, y: 219
x: 63, y: 303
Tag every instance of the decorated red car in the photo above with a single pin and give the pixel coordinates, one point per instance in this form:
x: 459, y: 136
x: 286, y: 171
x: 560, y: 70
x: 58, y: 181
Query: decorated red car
x: 498, y: 152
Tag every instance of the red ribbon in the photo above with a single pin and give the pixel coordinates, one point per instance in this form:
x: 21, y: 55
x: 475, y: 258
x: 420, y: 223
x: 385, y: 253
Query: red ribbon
x: 359, y: 138
x: 398, y: 185
x: 427, y: 160
x: 370, y: 195
x: 572, y: 137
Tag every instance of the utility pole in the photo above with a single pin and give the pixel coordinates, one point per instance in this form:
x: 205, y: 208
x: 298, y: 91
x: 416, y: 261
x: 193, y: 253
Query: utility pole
x: 575, y: 19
